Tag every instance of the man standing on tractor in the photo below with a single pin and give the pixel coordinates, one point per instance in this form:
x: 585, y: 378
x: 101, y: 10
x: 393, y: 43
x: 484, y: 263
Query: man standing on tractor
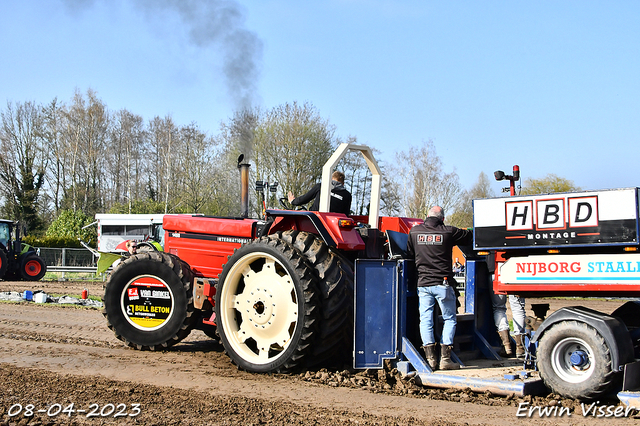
x: 340, y: 197
x: 431, y: 245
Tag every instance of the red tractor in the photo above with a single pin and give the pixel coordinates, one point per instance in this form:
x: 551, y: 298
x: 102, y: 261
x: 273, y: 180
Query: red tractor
x: 277, y: 291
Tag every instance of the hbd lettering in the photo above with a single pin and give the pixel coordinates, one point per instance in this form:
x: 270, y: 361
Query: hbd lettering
x: 552, y: 214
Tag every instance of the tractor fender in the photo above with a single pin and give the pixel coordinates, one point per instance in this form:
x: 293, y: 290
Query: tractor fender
x: 325, y: 225
x: 613, y: 331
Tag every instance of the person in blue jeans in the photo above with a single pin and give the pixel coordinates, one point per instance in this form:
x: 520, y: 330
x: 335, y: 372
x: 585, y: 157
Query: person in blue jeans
x: 430, y: 245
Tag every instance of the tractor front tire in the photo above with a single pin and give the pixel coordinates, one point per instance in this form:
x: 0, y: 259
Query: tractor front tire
x: 32, y: 268
x: 575, y: 361
x: 148, y: 301
x: 267, y: 306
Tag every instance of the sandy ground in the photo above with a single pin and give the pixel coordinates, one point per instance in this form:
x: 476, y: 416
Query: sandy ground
x: 55, y: 358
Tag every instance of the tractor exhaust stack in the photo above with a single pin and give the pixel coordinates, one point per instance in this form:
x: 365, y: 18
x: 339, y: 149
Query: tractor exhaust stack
x: 244, y: 186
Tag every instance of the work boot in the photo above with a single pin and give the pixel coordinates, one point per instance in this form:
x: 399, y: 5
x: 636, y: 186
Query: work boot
x: 506, y: 343
x: 520, y: 352
x: 445, y: 358
x: 430, y: 352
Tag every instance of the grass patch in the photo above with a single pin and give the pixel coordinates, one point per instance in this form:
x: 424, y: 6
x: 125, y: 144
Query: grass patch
x: 73, y: 276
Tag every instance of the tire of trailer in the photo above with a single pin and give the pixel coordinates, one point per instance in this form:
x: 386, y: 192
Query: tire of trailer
x: 575, y: 361
x: 3, y: 262
x: 267, y: 306
x: 335, y: 282
x: 32, y: 268
x: 161, y: 316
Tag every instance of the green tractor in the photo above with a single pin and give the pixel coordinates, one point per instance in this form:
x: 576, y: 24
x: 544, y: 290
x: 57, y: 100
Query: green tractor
x: 17, y: 259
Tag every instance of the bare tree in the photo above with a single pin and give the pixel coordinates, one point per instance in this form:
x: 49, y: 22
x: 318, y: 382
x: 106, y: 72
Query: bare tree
x: 126, y: 155
x: 462, y: 217
x: 23, y: 162
x: 53, y: 124
x: 196, y: 163
x: 357, y: 179
x: 161, y: 165
x: 422, y: 183
x: 87, y: 122
x: 292, y: 143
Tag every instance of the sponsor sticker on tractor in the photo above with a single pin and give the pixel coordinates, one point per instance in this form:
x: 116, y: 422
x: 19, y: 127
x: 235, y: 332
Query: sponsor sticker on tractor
x: 148, y: 302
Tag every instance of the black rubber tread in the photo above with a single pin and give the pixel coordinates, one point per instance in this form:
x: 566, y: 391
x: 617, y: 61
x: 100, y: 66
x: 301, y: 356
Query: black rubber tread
x: 140, y: 264
x: 304, y: 279
x: 335, y: 280
x: 3, y: 262
x: 144, y: 247
x: 23, y: 267
x: 599, y: 383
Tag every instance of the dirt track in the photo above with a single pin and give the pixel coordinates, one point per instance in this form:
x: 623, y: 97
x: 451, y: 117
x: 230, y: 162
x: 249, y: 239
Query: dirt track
x: 62, y: 355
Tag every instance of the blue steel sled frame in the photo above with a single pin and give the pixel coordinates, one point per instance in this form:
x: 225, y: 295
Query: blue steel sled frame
x: 386, y: 327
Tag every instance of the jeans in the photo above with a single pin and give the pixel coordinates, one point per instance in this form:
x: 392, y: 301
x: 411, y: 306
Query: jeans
x: 499, y: 302
x: 517, y: 310
x: 446, y: 298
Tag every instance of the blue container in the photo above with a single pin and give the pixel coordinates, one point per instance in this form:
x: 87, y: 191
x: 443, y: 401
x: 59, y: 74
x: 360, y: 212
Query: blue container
x: 27, y: 295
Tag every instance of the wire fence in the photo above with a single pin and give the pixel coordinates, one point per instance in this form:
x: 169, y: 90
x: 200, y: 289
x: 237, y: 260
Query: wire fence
x: 70, y: 263
x: 73, y: 257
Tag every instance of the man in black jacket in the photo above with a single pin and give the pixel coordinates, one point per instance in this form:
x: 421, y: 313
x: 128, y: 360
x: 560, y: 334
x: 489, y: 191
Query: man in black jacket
x: 340, y: 197
x: 431, y: 245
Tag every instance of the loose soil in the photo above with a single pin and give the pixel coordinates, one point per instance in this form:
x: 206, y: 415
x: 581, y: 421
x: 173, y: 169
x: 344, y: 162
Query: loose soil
x: 53, y: 356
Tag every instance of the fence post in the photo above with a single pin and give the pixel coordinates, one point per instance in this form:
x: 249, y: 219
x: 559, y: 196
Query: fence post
x: 64, y: 262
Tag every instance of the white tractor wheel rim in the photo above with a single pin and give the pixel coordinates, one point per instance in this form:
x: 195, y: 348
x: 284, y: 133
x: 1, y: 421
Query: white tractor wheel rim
x: 561, y: 360
x: 266, y: 305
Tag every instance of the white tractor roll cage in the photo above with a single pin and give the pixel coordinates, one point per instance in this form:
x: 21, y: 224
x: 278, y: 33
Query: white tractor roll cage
x: 376, y: 179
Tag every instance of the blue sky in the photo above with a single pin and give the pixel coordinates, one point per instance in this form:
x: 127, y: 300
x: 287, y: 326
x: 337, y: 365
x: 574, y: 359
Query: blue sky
x: 553, y: 86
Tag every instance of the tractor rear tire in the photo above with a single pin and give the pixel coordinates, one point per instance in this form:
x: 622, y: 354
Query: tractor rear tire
x: 32, y: 268
x: 267, y: 306
x: 335, y: 282
x: 3, y: 262
x: 148, y: 301
x: 575, y: 361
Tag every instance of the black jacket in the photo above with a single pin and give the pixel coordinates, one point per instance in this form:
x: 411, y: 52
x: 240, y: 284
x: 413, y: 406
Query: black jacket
x: 431, y: 246
x: 340, y: 198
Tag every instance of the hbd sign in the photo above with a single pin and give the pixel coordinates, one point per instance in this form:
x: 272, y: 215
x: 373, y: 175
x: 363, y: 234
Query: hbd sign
x: 552, y: 214
x: 594, y: 217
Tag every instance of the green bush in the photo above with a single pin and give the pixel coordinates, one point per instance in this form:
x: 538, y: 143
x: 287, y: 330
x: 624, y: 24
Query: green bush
x: 57, y: 242
x: 70, y: 223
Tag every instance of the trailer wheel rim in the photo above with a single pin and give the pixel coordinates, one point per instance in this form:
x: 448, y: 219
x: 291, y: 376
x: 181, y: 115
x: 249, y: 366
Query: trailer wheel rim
x: 567, y: 368
x: 32, y: 268
x: 147, y: 302
x: 261, y: 308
